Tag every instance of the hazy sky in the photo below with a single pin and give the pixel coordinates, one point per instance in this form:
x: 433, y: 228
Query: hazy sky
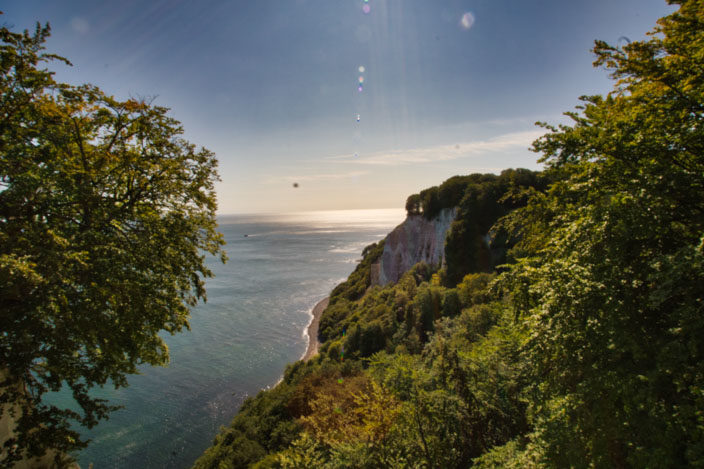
x: 272, y: 86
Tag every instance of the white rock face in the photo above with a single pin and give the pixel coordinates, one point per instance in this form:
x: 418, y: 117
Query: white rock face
x: 413, y: 241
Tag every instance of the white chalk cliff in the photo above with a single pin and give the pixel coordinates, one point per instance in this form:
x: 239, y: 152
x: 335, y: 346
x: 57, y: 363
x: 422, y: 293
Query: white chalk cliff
x: 415, y: 240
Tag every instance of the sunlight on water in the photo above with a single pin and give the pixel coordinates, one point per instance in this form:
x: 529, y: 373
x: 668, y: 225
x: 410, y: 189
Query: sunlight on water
x: 328, y: 219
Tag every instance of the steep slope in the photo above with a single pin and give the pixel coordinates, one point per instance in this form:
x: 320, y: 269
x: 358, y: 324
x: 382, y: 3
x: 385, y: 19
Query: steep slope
x: 415, y: 240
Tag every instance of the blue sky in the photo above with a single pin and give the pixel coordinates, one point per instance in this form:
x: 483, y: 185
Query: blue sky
x: 272, y: 86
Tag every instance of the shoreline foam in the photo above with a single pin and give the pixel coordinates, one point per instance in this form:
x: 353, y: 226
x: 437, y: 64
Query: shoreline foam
x: 313, y: 342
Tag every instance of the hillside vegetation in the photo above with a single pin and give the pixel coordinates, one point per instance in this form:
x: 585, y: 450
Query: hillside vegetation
x: 579, y: 346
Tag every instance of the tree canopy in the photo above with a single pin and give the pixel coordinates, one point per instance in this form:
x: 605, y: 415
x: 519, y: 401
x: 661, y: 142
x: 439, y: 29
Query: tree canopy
x: 612, y: 275
x: 106, y: 216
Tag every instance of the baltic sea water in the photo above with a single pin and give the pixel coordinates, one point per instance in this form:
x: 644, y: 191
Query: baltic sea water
x: 253, y: 324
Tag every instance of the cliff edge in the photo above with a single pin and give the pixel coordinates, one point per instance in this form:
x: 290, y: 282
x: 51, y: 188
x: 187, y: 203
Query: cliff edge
x: 415, y: 240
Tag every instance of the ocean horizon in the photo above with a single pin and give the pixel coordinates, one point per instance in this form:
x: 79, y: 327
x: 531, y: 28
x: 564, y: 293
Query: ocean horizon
x: 253, y: 324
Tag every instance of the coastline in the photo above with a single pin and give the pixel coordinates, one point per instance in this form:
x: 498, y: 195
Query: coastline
x: 313, y: 343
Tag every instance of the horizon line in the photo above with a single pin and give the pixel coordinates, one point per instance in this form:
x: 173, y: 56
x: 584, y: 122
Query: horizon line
x: 291, y: 212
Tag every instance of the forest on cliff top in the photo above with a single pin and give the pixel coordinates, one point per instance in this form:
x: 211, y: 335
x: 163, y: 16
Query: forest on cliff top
x: 572, y: 338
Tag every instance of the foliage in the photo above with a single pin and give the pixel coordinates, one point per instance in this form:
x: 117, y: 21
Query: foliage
x: 303, y: 453
x: 344, y: 294
x: 461, y: 396
x: 611, y: 284
x: 431, y: 201
x: 473, y: 243
x: 343, y: 314
x: 105, y: 215
x: 474, y: 289
x: 413, y: 205
x: 356, y: 410
x: 512, y: 455
x: 482, y: 199
x: 357, y: 283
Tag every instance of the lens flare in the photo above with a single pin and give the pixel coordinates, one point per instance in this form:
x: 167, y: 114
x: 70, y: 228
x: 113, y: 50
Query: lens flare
x: 360, y: 79
x: 366, y: 8
x: 358, y: 117
x: 467, y: 20
x: 360, y: 88
x: 361, y: 69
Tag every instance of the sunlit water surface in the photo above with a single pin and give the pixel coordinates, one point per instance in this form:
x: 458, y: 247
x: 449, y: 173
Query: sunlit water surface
x: 253, y: 324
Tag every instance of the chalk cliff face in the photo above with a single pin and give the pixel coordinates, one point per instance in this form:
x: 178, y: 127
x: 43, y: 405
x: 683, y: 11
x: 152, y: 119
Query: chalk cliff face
x: 413, y: 241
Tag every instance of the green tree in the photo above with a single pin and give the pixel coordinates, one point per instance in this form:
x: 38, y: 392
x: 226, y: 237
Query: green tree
x: 106, y: 216
x: 475, y: 243
x: 427, y: 303
x: 413, y: 204
x: 613, y: 282
x: 430, y: 202
x: 451, y: 305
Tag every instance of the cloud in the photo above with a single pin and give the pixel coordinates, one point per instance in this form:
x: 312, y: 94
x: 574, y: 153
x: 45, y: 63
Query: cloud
x: 443, y: 152
x: 316, y: 177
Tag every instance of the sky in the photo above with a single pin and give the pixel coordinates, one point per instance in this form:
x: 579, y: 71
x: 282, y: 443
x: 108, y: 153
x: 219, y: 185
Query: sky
x: 448, y: 87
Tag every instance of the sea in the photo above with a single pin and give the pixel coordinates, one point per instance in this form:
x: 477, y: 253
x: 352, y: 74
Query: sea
x: 253, y: 324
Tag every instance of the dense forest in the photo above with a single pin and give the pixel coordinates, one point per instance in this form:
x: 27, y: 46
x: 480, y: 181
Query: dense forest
x: 578, y: 345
